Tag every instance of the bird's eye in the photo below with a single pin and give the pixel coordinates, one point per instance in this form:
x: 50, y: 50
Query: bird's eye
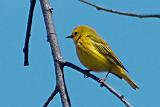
x: 75, y: 33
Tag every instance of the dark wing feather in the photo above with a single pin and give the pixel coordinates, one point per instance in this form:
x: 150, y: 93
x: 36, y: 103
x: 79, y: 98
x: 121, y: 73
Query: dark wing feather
x: 104, y: 48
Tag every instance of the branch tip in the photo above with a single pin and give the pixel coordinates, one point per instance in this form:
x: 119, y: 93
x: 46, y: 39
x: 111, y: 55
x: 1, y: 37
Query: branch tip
x: 28, y: 31
x: 121, y: 13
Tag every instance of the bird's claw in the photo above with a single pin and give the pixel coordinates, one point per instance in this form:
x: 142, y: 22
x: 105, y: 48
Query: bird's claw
x: 102, y: 80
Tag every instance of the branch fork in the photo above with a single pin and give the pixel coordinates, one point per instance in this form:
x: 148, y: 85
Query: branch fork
x: 89, y: 75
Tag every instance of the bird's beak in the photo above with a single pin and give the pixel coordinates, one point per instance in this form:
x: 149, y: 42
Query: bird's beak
x: 69, y: 36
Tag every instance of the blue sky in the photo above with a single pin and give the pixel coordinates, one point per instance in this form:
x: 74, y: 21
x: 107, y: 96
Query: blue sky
x: 135, y: 41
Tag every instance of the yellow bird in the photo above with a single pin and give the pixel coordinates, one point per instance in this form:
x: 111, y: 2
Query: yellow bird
x: 94, y: 53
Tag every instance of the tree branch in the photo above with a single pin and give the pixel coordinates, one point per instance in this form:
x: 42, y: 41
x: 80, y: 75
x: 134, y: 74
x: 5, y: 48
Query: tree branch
x: 58, y: 61
x: 51, y: 36
x: 121, y: 13
x: 28, y: 32
x: 112, y: 90
x: 51, y: 97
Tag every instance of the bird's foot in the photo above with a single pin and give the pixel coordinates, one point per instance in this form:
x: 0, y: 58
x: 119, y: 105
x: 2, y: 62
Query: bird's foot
x: 102, y: 80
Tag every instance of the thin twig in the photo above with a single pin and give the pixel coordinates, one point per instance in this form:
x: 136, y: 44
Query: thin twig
x: 51, y: 97
x: 112, y: 90
x: 122, y: 13
x: 28, y: 32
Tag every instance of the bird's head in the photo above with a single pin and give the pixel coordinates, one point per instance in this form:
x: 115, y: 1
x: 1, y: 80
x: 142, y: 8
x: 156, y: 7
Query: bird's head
x: 80, y: 31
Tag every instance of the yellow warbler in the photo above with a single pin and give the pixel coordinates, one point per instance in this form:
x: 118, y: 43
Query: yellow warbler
x: 94, y: 53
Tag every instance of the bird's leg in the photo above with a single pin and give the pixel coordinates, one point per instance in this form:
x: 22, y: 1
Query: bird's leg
x: 101, y: 80
x: 87, y: 71
x: 104, y: 79
x: 106, y: 75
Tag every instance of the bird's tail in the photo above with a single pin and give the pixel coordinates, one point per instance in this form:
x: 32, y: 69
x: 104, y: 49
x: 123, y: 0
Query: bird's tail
x: 130, y: 81
x: 122, y: 73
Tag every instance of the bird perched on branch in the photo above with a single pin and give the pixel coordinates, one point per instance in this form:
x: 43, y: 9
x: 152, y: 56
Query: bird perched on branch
x: 94, y: 53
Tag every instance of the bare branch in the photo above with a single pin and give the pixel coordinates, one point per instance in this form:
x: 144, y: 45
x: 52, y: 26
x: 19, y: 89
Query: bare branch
x: 51, y: 97
x: 52, y: 39
x: 112, y: 90
x: 122, y: 13
x: 28, y: 32
x: 58, y: 60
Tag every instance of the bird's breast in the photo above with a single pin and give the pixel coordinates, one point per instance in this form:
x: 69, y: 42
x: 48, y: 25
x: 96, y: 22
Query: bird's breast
x: 91, y: 58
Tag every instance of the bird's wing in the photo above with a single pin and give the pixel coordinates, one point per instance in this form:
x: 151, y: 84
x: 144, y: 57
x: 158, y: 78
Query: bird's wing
x: 104, y: 49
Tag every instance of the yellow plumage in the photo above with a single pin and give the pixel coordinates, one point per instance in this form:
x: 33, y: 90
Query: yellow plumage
x: 96, y: 55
